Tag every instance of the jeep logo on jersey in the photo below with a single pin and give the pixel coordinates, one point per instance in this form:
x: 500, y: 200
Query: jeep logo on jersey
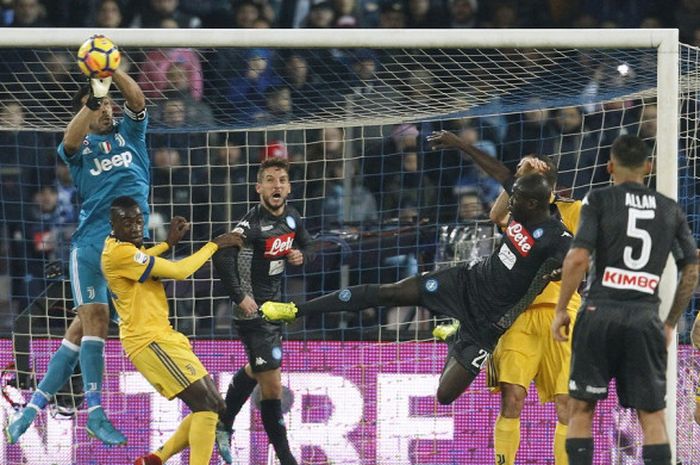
x: 279, y: 246
x: 520, y: 238
x: 634, y: 280
x: 106, y: 164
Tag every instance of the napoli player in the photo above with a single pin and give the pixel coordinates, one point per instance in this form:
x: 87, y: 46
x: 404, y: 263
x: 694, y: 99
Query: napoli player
x: 274, y: 234
x: 107, y: 159
x: 629, y: 230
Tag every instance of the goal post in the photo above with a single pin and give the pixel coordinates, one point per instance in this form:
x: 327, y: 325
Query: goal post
x: 472, y: 99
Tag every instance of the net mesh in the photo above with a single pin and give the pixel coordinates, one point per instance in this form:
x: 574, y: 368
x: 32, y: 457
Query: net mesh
x: 381, y: 203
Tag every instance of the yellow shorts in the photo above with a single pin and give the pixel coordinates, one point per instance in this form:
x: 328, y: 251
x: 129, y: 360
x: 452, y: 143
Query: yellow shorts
x: 169, y: 364
x: 527, y: 351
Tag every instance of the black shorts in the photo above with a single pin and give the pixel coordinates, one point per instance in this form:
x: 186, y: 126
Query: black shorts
x: 445, y: 292
x: 471, y: 355
x: 625, y: 342
x: 263, y: 343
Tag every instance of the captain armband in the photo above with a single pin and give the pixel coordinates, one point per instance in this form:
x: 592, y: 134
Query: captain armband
x: 135, y: 115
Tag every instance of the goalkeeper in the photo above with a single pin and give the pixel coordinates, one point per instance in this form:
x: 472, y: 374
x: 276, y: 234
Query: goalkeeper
x: 161, y: 354
x: 526, y: 351
x: 106, y: 159
x: 486, y: 297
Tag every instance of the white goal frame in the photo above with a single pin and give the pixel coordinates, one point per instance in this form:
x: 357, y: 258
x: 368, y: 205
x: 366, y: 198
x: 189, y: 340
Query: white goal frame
x: 665, y: 41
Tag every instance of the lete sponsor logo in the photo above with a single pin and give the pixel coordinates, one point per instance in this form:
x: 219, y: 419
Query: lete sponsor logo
x: 279, y: 246
x: 520, y: 238
x: 618, y: 278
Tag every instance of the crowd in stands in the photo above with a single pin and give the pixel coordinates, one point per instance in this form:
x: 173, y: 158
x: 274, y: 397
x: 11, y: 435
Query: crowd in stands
x: 357, y: 180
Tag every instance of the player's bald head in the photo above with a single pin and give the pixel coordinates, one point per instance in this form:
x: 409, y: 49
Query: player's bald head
x: 534, y: 186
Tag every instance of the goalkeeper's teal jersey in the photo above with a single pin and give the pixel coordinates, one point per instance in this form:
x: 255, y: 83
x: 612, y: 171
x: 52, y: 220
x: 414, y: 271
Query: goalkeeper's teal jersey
x: 106, y: 167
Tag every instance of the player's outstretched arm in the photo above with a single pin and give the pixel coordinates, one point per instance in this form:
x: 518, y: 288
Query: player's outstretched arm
x: 135, y: 99
x: 181, y: 269
x: 492, y: 166
x: 79, y: 126
x: 574, y: 268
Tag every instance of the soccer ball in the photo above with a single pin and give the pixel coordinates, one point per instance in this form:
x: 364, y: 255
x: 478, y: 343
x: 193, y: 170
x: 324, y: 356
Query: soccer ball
x: 98, y: 57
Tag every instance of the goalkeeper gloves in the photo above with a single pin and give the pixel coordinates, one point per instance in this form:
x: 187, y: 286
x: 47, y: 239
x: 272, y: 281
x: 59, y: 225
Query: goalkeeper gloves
x: 99, y: 88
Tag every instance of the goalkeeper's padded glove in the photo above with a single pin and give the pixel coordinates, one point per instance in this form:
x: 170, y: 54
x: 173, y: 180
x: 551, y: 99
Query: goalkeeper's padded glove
x: 99, y: 88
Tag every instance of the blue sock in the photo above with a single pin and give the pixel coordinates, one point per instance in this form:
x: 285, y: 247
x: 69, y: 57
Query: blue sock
x: 59, y: 371
x: 92, y: 363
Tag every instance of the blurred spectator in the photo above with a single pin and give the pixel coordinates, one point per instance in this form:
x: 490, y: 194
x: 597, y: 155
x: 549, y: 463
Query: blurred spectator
x: 647, y: 124
x: 67, y: 211
x: 12, y: 116
x: 278, y: 105
x: 529, y: 132
x: 576, y: 152
x: 463, y: 13
x: 28, y: 13
x: 410, y: 193
x: 321, y: 15
x: 623, y: 13
x: 504, y: 15
x: 392, y: 15
x: 40, y: 233
x: 470, y: 206
x: 180, y: 110
x: 651, y: 22
x: 156, y: 11
x: 246, y: 13
x: 246, y: 92
x: 178, y: 190
x: 109, y: 14
x: 243, y: 14
x: 306, y: 87
x: 179, y: 114
x: 230, y: 181
x: 346, y: 13
x: 173, y: 113
x: 329, y: 145
x: 262, y: 23
x: 67, y: 197
x: 172, y: 69
x: 421, y: 14
x: 366, y: 89
x: 362, y: 206
x: 470, y: 176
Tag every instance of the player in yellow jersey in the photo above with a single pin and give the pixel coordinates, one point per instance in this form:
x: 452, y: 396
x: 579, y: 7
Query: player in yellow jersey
x: 526, y: 351
x: 161, y: 354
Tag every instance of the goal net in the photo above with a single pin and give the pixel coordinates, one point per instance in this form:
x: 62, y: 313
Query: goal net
x: 351, y: 114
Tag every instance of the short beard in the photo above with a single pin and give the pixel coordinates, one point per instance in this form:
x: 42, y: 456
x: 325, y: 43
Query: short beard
x: 272, y: 209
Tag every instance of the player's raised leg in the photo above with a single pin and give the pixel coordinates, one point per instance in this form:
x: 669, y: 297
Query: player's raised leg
x: 351, y: 299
